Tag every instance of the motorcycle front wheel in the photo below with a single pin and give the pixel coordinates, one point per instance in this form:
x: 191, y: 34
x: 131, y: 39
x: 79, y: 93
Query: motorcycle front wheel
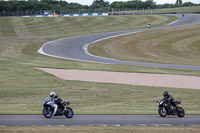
x: 48, y: 113
x: 162, y: 112
x: 69, y: 113
x: 180, y: 112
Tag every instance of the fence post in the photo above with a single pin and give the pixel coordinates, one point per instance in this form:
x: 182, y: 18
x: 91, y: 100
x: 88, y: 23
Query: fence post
x: 112, y: 11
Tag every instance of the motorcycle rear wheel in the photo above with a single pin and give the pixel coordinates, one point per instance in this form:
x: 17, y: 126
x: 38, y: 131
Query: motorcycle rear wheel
x: 180, y: 112
x: 69, y: 113
x: 47, y: 113
x: 161, y: 113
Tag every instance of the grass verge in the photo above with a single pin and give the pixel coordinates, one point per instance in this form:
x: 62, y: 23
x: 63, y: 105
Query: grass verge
x: 101, y: 129
x: 23, y: 90
x: 60, y: 27
x: 189, y: 9
x: 170, y: 46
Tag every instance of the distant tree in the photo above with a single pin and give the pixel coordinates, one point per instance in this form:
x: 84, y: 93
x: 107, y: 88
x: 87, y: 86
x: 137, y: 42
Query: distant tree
x: 100, y: 3
x: 135, y: 4
x: 57, y: 5
x: 149, y: 4
x: 188, y: 4
x: 74, y: 6
x: 119, y: 4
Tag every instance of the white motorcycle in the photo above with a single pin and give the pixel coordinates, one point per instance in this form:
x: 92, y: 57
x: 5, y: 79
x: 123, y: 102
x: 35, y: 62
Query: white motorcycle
x: 51, y: 108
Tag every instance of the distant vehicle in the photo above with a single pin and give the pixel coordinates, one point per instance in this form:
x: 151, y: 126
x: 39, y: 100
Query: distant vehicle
x: 51, y: 108
x: 165, y: 110
x: 149, y: 25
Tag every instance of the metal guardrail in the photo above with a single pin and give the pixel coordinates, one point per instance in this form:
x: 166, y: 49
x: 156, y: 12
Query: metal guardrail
x: 68, y: 15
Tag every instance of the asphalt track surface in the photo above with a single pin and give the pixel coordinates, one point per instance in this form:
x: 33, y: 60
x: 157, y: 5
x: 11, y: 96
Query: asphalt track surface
x: 99, y: 120
x: 75, y: 48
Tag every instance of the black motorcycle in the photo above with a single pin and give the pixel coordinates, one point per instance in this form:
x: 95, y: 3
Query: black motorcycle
x: 165, y: 109
x: 51, y: 108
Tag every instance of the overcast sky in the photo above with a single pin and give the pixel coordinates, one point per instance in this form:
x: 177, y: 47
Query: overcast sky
x: 89, y: 2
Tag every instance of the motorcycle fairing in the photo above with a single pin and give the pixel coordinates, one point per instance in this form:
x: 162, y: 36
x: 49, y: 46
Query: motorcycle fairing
x: 54, y: 105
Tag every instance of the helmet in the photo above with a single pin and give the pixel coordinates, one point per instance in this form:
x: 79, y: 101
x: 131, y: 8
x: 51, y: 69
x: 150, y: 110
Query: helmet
x: 165, y: 94
x: 52, y: 95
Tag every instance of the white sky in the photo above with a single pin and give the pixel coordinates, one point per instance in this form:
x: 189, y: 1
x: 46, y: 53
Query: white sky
x: 89, y: 2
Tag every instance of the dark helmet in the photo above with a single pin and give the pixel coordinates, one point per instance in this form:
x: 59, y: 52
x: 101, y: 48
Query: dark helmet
x: 165, y: 94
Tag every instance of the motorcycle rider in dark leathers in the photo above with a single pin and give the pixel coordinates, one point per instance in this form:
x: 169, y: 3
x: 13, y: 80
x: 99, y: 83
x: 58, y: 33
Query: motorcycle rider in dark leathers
x: 53, y: 96
x: 170, y: 100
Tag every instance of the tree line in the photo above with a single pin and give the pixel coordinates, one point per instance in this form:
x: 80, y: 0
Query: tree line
x: 57, y: 5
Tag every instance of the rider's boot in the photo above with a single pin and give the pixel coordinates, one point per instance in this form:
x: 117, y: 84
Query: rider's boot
x: 172, y: 109
x: 64, y: 109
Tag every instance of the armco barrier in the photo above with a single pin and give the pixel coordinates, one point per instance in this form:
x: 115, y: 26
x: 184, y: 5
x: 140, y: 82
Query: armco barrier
x: 70, y: 15
x: 85, y: 14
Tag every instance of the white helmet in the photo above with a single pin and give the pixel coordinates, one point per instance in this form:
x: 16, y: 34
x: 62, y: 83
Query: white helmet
x: 52, y: 94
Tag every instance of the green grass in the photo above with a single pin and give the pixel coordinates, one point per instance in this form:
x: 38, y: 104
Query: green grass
x: 169, y: 46
x: 23, y: 88
x: 190, y: 9
x: 93, y: 98
x: 59, y: 27
x: 101, y: 129
x: 178, y: 10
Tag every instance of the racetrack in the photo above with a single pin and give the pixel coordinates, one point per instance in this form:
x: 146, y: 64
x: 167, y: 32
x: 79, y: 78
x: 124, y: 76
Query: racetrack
x: 75, y: 48
x: 99, y: 120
